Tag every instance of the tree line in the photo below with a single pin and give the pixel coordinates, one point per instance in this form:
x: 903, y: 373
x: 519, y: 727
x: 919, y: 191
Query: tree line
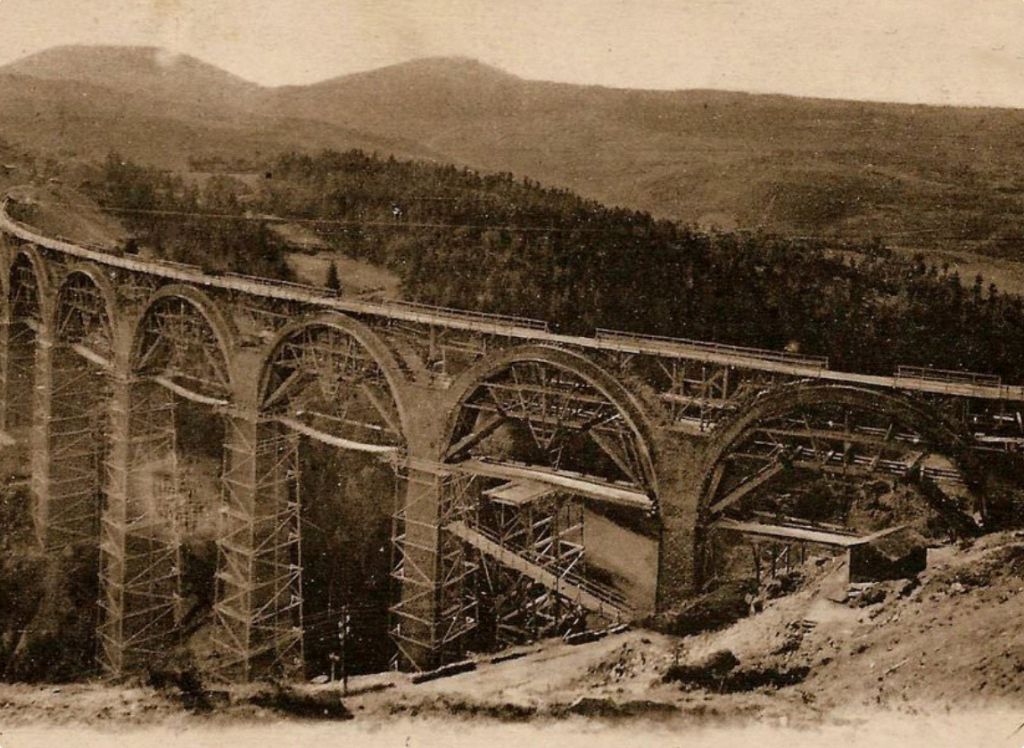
x: 495, y: 243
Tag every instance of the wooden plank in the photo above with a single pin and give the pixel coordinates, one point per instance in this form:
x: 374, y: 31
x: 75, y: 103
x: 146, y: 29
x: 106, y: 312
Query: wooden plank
x: 578, y: 484
x: 519, y: 493
x: 805, y: 534
x: 783, y: 532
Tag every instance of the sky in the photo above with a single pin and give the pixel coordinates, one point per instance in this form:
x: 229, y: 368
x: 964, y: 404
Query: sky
x: 968, y: 52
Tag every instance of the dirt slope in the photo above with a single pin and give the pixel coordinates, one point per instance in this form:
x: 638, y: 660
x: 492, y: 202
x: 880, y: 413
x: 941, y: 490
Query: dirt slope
x: 60, y: 211
x: 951, y: 641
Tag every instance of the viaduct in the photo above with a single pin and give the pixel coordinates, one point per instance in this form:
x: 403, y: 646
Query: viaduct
x: 97, y: 346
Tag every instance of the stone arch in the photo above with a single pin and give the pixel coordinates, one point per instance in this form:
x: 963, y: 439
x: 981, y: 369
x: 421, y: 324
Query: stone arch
x: 28, y: 312
x: 325, y: 389
x: 85, y: 306
x: 182, y: 349
x: 28, y: 259
x: 636, y: 417
x: 207, y: 343
x: 553, y: 475
x: 68, y: 485
x: 928, y: 429
x: 281, y: 379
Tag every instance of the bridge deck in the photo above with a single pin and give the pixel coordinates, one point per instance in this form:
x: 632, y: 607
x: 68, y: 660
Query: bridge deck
x: 536, y: 331
x: 783, y: 532
x: 558, y: 479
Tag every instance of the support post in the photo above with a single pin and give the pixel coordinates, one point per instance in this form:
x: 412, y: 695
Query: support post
x: 680, y: 483
x: 259, y: 583
x: 140, y: 552
x: 39, y: 438
x: 435, y: 611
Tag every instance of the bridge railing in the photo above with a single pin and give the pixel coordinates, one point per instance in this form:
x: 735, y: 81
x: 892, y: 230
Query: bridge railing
x: 306, y: 291
x: 307, y: 287
x: 767, y: 354
x: 947, y: 376
x: 486, y: 317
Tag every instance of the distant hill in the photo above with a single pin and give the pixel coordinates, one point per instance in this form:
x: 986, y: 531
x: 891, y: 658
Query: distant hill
x: 83, y: 102
x: 147, y: 71
x: 928, y: 176
x: 728, y: 159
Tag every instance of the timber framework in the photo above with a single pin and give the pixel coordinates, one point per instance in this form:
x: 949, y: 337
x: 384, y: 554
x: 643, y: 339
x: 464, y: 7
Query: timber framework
x: 680, y: 435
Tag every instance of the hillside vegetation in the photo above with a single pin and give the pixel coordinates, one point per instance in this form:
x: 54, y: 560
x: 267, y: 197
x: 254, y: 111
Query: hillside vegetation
x: 922, y: 177
x: 499, y: 244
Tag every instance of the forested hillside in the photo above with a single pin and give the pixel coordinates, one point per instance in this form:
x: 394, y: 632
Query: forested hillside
x: 926, y: 177
x: 496, y: 243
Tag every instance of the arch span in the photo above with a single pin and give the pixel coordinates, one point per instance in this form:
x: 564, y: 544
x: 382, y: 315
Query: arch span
x: 70, y: 444
x: 344, y: 379
x: 780, y: 400
x: 182, y: 336
x: 85, y: 310
x: 28, y: 273
x: 554, y: 488
x: 28, y: 310
x: 835, y: 431
x: 583, y: 377
x: 330, y: 379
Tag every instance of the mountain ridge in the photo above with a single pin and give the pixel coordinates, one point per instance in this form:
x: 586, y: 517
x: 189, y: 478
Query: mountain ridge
x: 713, y: 158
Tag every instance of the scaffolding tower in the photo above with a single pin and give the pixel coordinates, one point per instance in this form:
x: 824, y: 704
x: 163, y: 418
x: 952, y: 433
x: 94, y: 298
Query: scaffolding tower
x: 140, y: 547
x: 483, y: 566
x: 76, y: 439
x: 436, y: 570
x: 259, y: 582
x: 544, y: 528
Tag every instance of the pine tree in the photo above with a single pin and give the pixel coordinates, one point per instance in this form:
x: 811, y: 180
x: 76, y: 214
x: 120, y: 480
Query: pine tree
x: 333, y: 279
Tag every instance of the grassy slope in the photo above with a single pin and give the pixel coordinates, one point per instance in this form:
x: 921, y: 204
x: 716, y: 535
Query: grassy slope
x: 782, y: 163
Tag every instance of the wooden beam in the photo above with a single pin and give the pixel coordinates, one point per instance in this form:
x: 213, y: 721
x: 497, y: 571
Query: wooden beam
x: 283, y: 388
x: 746, y: 487
x: 389, y: 416
x: 475, y: 437
x: 188, y: 394
x: 843, y: 436
x: 805, y: 534
x: 90, y: 355
x: 570, y: 482
x: 519, y: 493
x: 609, y: 449
x: 336, y: 441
